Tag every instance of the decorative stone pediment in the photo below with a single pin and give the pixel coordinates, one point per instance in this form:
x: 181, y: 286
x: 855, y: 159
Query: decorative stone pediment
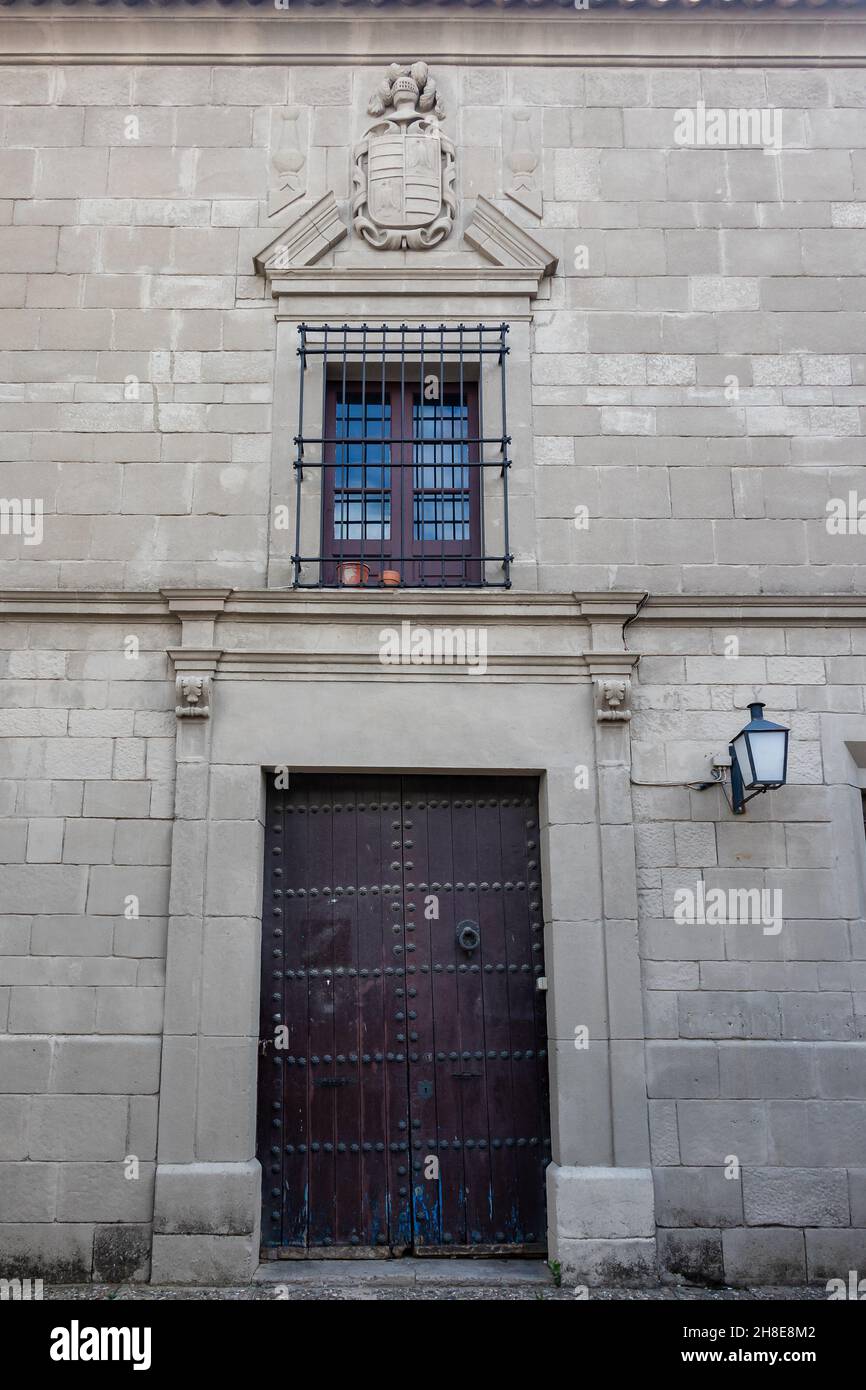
x: 305, y: 240
x: 501, y: 241
x: 404, y: 167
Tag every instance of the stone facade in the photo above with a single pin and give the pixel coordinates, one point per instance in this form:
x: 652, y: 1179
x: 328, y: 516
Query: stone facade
x: 686, y: 397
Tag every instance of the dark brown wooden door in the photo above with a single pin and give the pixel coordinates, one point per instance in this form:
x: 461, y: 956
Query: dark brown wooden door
x: 403, y: 1106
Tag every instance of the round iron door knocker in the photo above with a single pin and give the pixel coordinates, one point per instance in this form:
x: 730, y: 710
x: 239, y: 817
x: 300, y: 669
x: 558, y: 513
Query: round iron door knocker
x: 468, y: 935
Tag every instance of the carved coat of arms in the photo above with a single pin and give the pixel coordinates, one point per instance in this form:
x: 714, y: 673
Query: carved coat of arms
x: 404, y: 166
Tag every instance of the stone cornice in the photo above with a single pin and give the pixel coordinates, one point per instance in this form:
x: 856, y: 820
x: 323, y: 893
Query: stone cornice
x: 546, y: 667
x: 195, y: 602
x: 195, y: 658
x: 610, y: 663
x: 400, y: 281
x: 726, y: 33
x: 434, y: 606
x: 92, y: 606
x: 203, y: 7
x: 809, y: 609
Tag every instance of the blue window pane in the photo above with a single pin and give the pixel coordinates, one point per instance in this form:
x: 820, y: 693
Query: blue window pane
x: 440, y: 471
x: 441, y: 518
x: 362, y: 473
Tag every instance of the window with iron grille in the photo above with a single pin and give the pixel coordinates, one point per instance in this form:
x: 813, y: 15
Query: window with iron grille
x: 402, y: 457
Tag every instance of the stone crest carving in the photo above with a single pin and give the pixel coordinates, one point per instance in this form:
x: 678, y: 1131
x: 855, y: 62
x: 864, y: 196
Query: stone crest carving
x: 404, y: 167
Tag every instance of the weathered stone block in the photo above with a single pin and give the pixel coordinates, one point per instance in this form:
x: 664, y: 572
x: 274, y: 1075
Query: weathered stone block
x: 26, y: 1065
x: 207, y: 1198
x: 203, y: 1259
x: 27, y: 1190
x: 682, y: 1069
x: 129, y: 1010
x: 711, y: 1130
x: 46, y: 1009
x: 88, y: 841
x: 225, y: 1116
x: 697, y: 1197
x: 664, y: 1137
x: 767, y: 1069
x: 78, y: 1127
x: 233, y: 945
x: 103, y: 1192
x: 840, y: 1070
x: 110, y: 887
x: 600, y: 1203
x: 114, y: 1065
x: 857, y: 1195
x: 622, y: 1263
x: 769, y: 1255
x: 729, y: 1014
x: 693, y: 1255
x: 121, y: 1254
x: 57, y: 1253
x: 795, y: 1196
x: 831, y: 1254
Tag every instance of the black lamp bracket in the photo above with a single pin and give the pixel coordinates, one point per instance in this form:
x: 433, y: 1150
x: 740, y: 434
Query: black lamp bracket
x: 722, y: 765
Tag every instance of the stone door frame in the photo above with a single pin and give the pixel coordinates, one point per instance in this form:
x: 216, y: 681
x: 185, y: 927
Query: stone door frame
x: 548, y: 716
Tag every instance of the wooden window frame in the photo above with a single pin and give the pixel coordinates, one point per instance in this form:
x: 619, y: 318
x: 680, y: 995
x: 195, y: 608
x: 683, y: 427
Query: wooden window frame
x: 421, y: 562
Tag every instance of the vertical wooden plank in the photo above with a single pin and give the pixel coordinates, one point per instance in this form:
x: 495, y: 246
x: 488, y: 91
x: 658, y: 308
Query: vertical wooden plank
x: 396, y: 966
x: 373, y: 1189
x: 426, y: 1190
x: 319, y: 968
x: 518, y: 822
x: 499, y: 1088
x: 542, y: 1078
x: 470, y: 1068
x: 446, y: 1013
x: 270, y: 1120
x: 296, y: 1135
x: 345, y: 1070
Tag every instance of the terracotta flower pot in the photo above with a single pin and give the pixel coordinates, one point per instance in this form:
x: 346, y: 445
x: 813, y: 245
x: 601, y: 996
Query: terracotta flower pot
x: 353, y: 573
x: 391, y: 578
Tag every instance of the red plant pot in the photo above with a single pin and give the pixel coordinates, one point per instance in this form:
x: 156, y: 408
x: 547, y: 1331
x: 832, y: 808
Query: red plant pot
x: 353, y: 573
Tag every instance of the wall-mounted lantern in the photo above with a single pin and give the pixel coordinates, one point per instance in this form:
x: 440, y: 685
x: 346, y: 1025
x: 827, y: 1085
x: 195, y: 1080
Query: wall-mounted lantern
x: 758, y: 759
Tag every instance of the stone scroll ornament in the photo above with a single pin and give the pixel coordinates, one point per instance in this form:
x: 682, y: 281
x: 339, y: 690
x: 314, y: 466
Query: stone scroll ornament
x: 404, y: 171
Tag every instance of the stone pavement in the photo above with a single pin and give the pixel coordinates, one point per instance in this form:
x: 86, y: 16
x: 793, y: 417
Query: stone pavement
x: 413, y: 1280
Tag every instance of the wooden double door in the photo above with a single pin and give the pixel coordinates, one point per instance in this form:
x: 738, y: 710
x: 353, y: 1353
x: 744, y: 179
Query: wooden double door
x: 403, y: 1102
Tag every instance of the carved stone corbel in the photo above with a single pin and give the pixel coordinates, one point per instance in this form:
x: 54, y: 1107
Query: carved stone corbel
x: 613, y: 698
x: 197, y: 659
x: 193, y: 695
x: 609, y: 663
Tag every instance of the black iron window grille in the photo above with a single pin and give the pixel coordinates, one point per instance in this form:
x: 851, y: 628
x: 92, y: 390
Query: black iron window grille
x: 402, y: 457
